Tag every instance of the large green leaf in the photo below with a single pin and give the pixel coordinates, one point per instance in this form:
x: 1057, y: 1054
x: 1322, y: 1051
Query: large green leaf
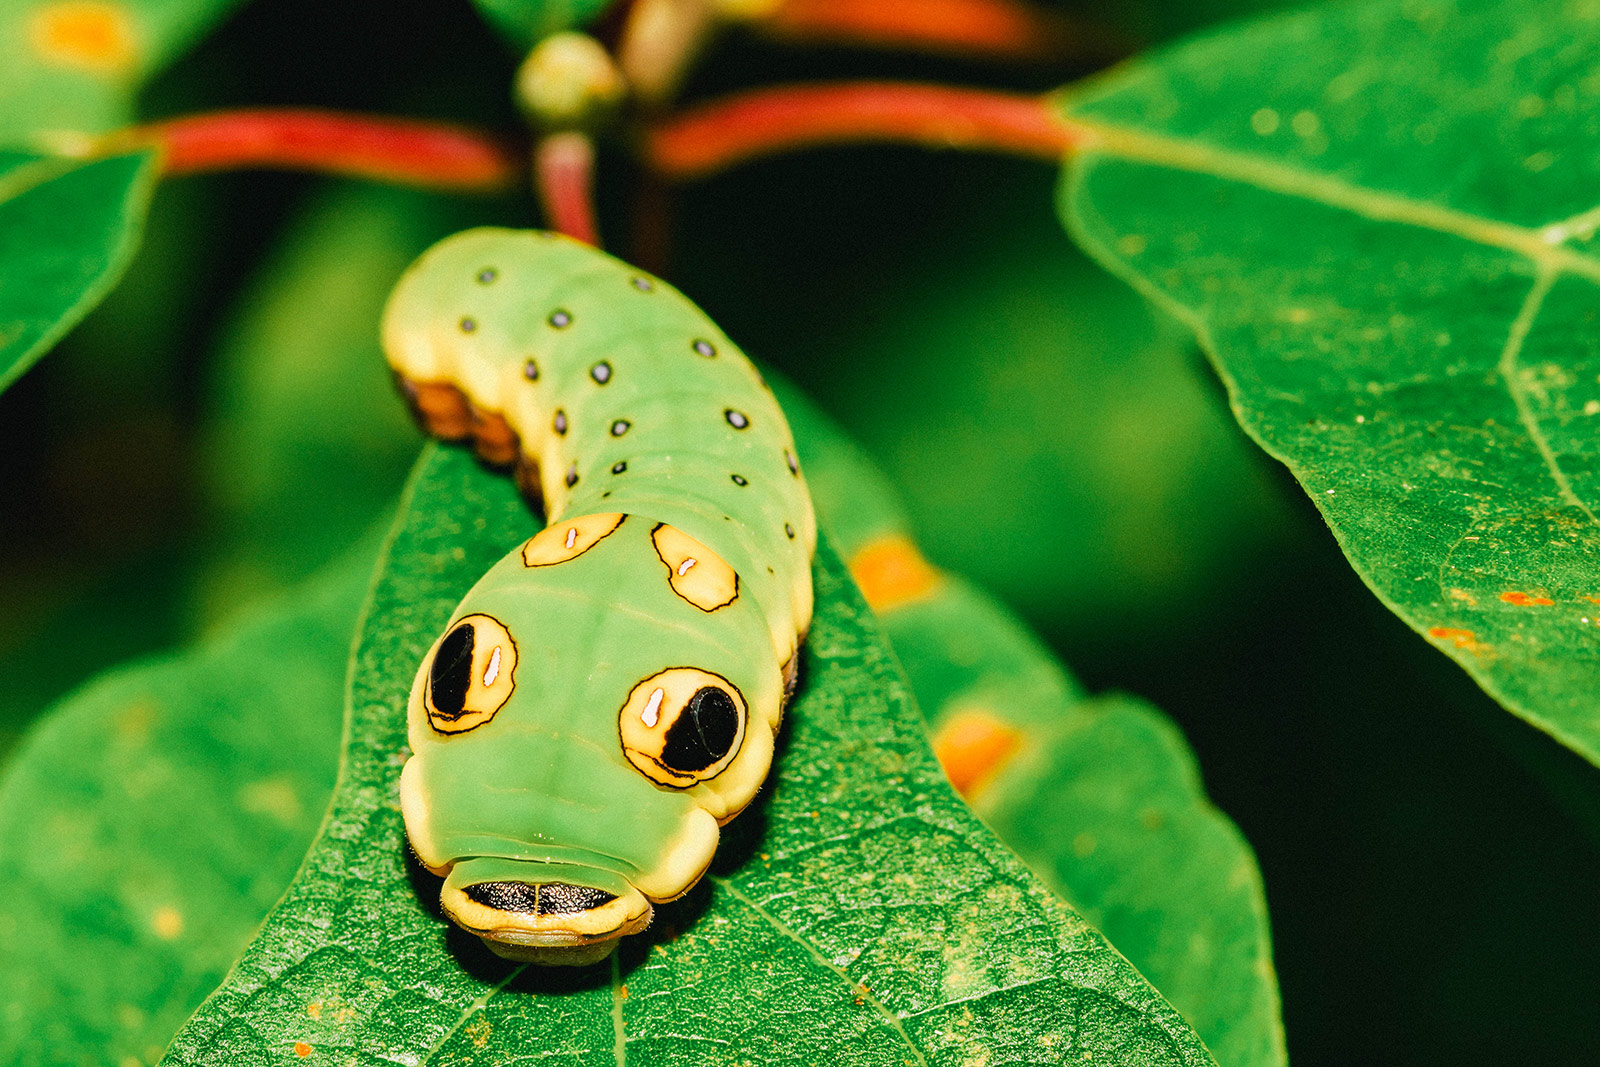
x: 859, y: 915
x: 149, y: 823
x: 1379, y: 219
x: 1102, y: 797
x: 67, y: 232
x: 74, y: 65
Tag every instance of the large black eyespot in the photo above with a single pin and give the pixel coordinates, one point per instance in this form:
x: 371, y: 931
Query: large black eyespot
x: 452, y: 672
x: 704, y: 732
x: 471, y: 676
x: 682, y: 726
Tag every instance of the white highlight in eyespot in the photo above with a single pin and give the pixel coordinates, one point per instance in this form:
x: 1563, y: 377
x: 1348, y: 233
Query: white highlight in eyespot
x: 683, y: 568
x: 572, y: 536
x: 491, y: 672
x: 652, y: 709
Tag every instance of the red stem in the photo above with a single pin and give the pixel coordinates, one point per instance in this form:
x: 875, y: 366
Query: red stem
x: 563, y: 172
x: 1000, y: 29
x: 714, y: 136
x: 405, y: 151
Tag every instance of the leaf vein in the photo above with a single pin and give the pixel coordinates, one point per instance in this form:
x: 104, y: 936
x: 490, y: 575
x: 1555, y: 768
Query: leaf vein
x: 477, y: 1005
x: 856, y: 988
x: 1507, y: 368
x: 1544, y: 246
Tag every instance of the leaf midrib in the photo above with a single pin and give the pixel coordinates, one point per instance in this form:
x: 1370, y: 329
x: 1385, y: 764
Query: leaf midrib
x: 1543, y: 246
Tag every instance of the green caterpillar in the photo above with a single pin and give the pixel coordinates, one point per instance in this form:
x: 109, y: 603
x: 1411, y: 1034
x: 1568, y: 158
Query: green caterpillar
x: 608, y: 694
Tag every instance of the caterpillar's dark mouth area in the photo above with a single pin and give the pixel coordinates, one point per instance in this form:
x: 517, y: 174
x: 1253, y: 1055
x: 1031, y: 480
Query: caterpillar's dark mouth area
x: 550, y: 923
x: 549, y: 898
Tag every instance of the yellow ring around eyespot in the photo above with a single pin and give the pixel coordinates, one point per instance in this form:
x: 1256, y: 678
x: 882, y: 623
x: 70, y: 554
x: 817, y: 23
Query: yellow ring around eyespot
x: 494, y: 664
x: 645, y: 718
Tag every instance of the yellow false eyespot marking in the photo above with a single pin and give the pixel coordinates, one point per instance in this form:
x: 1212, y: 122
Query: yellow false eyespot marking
x: 891, y: 572
x: 87, y: 34
x: 470, y: 675
x: 568, y: 539
x: 972, y: 745
x: 682, y: 726
x: 695, y: 573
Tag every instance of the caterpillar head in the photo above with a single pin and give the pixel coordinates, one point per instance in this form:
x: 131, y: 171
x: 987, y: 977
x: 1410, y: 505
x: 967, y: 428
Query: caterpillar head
x: 601, y: 701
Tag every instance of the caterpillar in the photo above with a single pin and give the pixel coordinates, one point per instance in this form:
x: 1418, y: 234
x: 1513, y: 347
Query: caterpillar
x: 607, y: 696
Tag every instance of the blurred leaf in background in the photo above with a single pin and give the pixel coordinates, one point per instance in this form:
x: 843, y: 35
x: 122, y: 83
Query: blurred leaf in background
x: 307, y: 440
x: 67, y: 232
x: 1056, y: 440
x: 151, y: 821
x: 74, y: 65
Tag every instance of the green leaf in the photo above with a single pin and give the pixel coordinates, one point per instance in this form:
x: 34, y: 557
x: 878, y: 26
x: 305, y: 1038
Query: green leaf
x: 67, y: 232
x: 1102, y: 798
x: 1149, y: 862
x: 860, y: 914
x: 1379, y: 219
x: 74, y: 65
x: 524, y: 23
x: 153, y: 818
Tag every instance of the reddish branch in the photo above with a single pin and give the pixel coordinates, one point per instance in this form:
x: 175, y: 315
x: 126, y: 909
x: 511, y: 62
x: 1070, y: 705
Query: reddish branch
x: 1002, y: 29
x: 405, y: 151
x: 714, y: 136
x: 563, y: 173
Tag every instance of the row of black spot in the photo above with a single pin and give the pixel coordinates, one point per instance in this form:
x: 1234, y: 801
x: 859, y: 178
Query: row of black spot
x: 601, y: 372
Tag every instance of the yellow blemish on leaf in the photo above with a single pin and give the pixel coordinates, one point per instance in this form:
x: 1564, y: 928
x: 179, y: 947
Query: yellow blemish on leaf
x: 972, y: 745
x: 1131, y: 244
x: 1464, y: 596
x: 1084, y: 844
x: 84, y: 34
x: 1265, y: 121
x: 133, y: 722
x: 1306, y: 123
x: 891, y: 572
x: 275, y: 798
x: 314, y: 1009
x: 167, y: 922
x: 479, y: 1030
x: 302, y: 1049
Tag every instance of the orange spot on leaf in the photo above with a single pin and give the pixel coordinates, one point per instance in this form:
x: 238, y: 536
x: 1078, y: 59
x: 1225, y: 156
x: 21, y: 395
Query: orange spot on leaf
x: 891, y: 572
x: 302, y: 1049
x: 314, y: 1009
x: 87, y: 34
x: 971, y: 746
x: 1463, y: 639
x: 1525, y: 600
